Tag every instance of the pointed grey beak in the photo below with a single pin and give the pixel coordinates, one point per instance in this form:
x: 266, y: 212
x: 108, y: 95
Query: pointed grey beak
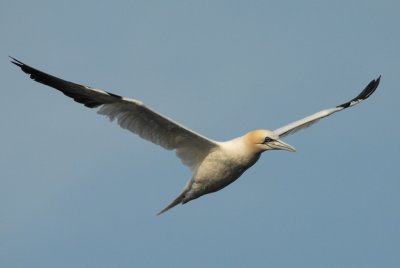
x: 280, y: 145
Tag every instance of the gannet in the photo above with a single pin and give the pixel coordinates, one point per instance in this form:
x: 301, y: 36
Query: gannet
x: 214, y: 164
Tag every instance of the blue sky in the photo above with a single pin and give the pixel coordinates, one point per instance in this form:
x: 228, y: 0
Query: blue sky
x: 78, y: 191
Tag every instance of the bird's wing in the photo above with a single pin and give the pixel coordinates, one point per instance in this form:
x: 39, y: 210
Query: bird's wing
x: 309, y: 120
x: 133, y: 115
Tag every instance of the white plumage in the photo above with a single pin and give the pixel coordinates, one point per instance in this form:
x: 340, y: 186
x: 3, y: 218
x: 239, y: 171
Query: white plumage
x: 130, y: 114
x: 214, y: 164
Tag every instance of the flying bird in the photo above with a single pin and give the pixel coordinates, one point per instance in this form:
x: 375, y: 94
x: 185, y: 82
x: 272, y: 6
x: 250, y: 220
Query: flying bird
x: 214, y: 164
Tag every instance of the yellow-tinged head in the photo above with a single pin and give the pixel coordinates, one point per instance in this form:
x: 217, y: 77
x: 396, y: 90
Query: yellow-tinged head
x: 263, y: 140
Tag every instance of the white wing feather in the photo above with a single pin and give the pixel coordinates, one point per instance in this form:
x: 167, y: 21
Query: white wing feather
x: 310, y: 120
x: 130, y: 114
x: 133, y: 115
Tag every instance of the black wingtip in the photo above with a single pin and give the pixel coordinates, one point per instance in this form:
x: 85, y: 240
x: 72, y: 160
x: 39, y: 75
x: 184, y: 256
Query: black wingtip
x: 368, y: 91
x: 16, y: 62
x: 370, y: 88
x: 378, y: 79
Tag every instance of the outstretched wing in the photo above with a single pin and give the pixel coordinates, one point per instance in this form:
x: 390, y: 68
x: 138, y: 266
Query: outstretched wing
x: 309, y: 120
x: 133, y: 115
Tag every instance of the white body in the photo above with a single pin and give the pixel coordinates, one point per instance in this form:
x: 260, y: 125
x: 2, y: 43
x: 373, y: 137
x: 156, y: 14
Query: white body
x: 220, y: 168
x: 226, y: 162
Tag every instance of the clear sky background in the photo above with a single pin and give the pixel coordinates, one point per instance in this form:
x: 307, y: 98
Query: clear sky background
x: 78, y: 191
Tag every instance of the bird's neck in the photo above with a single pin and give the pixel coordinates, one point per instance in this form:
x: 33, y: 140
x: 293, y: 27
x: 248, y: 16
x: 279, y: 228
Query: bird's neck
x: 239, y: 150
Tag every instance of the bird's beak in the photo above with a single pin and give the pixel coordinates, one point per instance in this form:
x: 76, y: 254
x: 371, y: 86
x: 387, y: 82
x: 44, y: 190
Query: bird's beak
x: 280, y: 145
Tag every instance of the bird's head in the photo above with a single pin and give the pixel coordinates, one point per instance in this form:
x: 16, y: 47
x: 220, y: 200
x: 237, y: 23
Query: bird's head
x: 263, y: 140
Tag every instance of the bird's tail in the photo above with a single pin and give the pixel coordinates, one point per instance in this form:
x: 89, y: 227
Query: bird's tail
x: 177, y: 201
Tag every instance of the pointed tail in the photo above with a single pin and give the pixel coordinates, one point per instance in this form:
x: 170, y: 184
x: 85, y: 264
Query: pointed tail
x: 177, y: 201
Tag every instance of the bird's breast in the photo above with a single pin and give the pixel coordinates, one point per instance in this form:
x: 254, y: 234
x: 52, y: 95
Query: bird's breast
x: 221, y: 168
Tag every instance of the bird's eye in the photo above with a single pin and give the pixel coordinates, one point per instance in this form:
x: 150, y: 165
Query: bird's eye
x: 267, y: 139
